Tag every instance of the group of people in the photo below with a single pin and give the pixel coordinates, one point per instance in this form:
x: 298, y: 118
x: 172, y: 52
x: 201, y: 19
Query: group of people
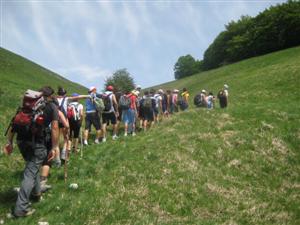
x: 62, y: 115
x: 207, y: 100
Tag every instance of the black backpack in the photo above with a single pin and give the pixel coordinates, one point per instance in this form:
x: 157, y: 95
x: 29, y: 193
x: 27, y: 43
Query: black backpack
x: 107, y: 102
x: 147, y: 103
x: 197, y: 100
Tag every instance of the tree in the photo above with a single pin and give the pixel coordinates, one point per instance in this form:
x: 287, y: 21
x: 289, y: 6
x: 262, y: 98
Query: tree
x: 121, y: 80
x: 186, y: 66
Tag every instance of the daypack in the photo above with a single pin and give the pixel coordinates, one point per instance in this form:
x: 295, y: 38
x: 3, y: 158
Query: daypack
x: 99, y: 104
x: 73, y: 111
x: 124, y: 102
x: 147, y: 103
x: 180, y: 100
x: 29, y: 120
x: 198, y: 100
x: 107, y: 102
x: 61, y: 106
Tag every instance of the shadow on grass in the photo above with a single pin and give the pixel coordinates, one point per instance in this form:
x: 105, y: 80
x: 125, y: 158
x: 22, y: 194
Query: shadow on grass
x: 8, y: 197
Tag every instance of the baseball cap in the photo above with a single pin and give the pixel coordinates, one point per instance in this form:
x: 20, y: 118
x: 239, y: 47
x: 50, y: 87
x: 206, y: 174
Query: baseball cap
x: 92, y: 88
x: 110, y: 88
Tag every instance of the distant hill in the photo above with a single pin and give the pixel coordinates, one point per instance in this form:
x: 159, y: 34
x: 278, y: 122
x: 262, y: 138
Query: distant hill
x: 17, y: 74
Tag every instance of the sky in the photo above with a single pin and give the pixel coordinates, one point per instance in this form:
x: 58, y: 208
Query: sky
x: 87, y: 41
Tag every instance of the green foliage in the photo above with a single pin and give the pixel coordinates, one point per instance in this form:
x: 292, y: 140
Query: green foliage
x: 121, y: 80
x: 235, y: 166
x: 275, y: 28
x: 186, y: 66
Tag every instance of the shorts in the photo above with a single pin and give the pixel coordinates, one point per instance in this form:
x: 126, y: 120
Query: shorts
x: 106, y: 117
x: 128, y: 116
x: 74, y: 128
x: 149, y: 115
x: 92, y: 118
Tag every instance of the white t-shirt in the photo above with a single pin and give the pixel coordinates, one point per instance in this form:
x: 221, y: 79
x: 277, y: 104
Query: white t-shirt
x: 63, y: 105
x: 79, y: 108
x: 158, y: 99
x: 112, y: 109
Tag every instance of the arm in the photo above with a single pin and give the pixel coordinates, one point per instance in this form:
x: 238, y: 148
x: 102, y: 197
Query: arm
x: 8, y: 148
x: 79, y: 97
x: 115, y: 103
x: 54, y: 138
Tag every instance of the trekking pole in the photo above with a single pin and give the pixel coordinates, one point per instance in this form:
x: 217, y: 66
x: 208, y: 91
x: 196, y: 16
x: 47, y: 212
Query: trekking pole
x: 81, y: 145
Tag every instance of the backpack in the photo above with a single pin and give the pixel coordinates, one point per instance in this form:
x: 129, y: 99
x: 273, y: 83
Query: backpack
x: 29, y: 120
x: 107, y: 102
x: 73, y: 111
x: 198, y: 100
x: 99, y: 104
x: 61, y: 106
x: 147, y: 103
x: 124, y: 102
x: 180, y: 100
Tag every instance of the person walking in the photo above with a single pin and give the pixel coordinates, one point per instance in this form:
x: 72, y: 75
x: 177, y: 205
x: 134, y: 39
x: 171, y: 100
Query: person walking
x: 34, y: 146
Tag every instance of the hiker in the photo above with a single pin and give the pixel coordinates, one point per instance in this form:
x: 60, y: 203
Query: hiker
x: 223, y: 96
x: 75, y: 115
x: 129, y: 111
x: 200, y: 100
x: 92, y: 116
x: 110, y: 112
x: 174, y: 99
x: 158, y: 105
x: 63, y: 102
x: 184, y: 99
x: 34, y: 144
x: 148, y: 105
x: 210, y: 99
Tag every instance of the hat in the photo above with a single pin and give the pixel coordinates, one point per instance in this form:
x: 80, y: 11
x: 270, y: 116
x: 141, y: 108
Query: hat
x: 160, y: 91
x: 61, y: 91
x: 75, y: 94
x: 136, y: 93
x: 109, y: 88
x: 203, y: 91
x: 138, y: 86
x: 226, y: 86
x: 175, y: 90
x: 92, y: 89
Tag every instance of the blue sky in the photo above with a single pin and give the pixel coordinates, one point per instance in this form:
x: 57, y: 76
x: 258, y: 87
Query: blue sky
x: 86, y: 41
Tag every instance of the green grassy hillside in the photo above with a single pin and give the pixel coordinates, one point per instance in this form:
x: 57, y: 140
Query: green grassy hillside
x: 18, y: 74
x: 235, y: 166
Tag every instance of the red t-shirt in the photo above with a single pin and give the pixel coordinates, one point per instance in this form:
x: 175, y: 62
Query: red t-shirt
x: 132, y: 101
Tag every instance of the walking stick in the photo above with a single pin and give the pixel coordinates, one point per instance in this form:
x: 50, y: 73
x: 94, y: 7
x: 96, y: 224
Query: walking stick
x: 81, y: 145
x: 66, y: 166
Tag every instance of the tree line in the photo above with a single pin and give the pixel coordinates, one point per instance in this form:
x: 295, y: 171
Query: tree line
x: 276, y: 28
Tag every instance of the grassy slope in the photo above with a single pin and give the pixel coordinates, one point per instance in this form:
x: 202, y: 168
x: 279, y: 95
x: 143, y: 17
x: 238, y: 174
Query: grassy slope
x: 17, y: 74
x: 234, y: 166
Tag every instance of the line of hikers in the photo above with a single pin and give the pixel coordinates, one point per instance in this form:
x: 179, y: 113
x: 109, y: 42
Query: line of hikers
x: 44, y: 116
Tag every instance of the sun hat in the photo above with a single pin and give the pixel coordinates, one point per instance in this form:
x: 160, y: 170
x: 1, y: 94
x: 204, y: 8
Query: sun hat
x: 160, y: 91
x: 92, y: 89
x: 226, y: 86
x: 136, y: 93
x: 175, y: 90
x: 203, y: 91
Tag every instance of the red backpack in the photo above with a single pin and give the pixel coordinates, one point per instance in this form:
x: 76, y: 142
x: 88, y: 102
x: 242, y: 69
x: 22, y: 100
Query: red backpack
x: 29, y: 118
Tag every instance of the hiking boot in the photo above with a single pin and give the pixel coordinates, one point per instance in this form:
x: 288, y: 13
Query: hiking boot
x: 28, y: 212
x: 125, y: 135
x: 63, y: 154
x: 96, y: 141
x: 57, y: 163
x: 85, y: 142
x: 103, y: 139
x: 36, y: 198
x: 133, y: 134
x: 44, y: 186
x: 115, y: 137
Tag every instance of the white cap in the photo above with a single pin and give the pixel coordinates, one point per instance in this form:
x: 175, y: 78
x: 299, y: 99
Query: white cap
x: 138, y: 86
x: 203, y: 91
x: 160, y: 91
x: 175, y: 90
x: 226, y: 86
